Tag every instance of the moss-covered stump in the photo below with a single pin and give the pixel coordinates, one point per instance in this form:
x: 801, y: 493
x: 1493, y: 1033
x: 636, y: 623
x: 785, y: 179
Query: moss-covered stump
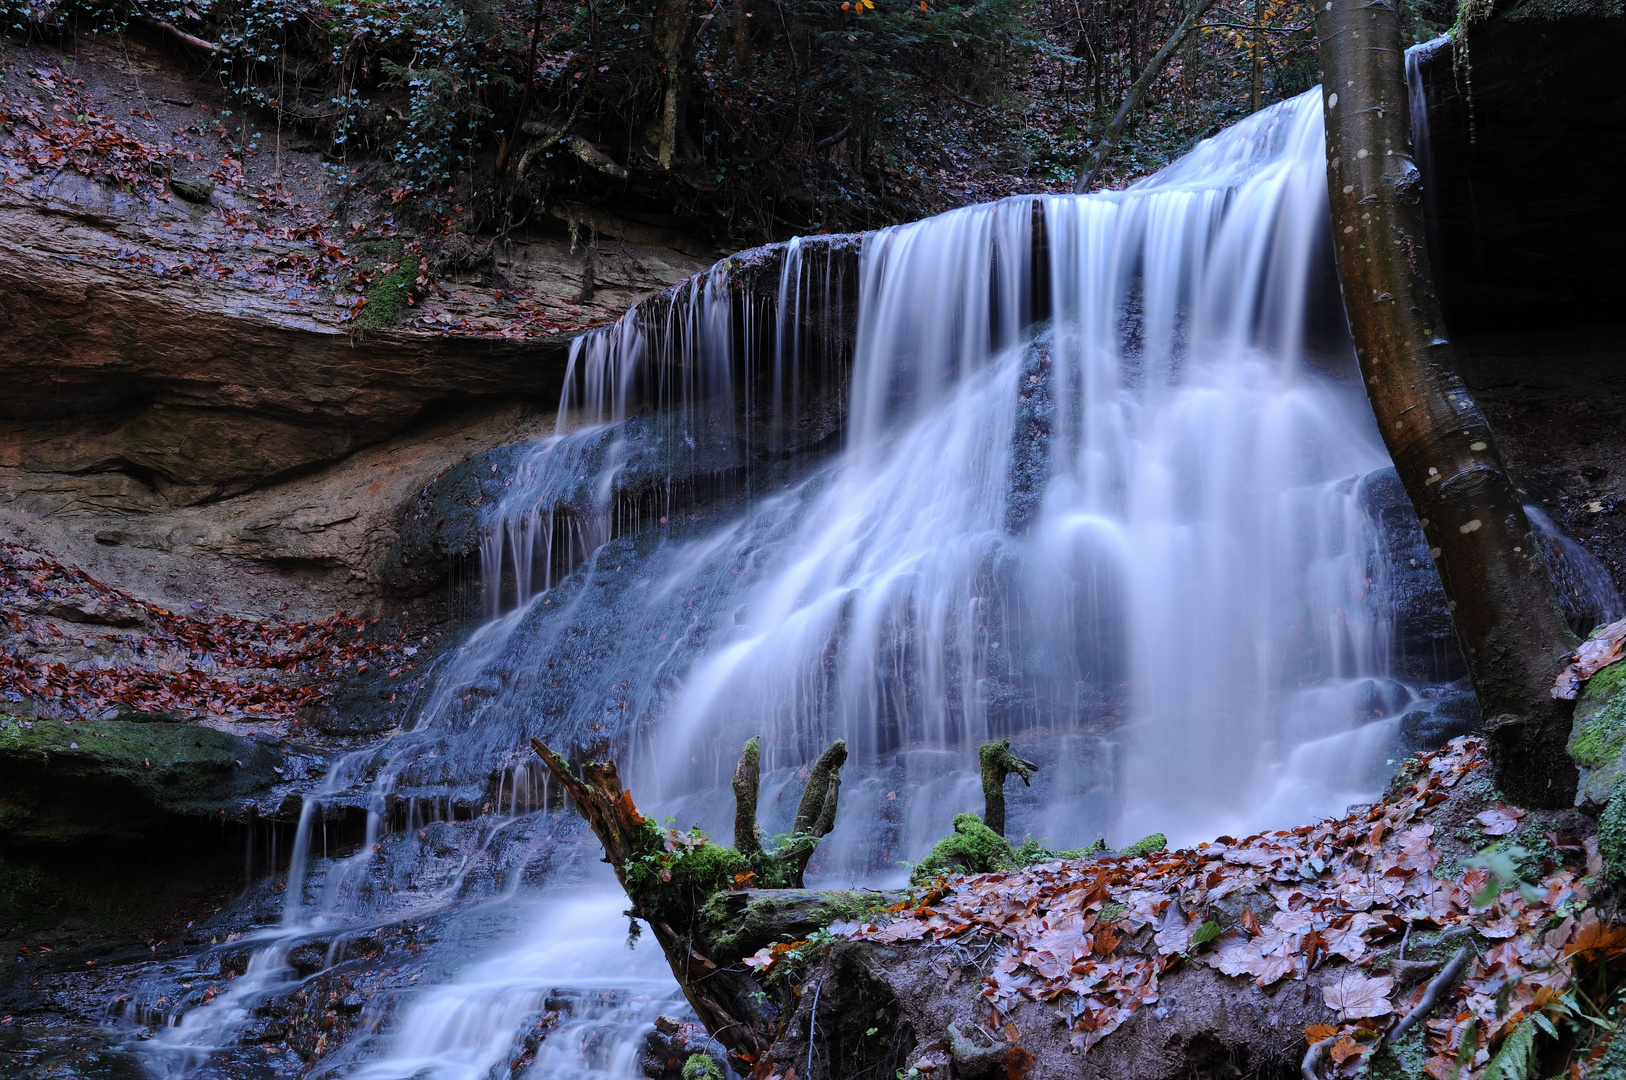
x: 740, y: 923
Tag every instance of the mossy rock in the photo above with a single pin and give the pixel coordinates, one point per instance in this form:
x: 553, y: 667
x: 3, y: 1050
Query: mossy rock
x: 100, y: 781
x: 387, y: 296
x: 973, y: 848
x: 1612, y: 836
x: 702, y: 1067
x: 1597, y: 741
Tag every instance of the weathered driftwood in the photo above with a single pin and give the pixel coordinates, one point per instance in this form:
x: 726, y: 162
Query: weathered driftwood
x: 1507, y: 617
x: 694, y: 894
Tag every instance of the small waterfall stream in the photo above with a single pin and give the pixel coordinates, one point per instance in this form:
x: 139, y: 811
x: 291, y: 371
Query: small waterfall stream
x: 1132, y: 535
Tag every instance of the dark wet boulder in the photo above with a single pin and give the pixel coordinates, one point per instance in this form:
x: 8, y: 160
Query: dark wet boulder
x: 1432, y: 724
x: 110, y: 780
x: 1406, y: 589
x: 113, y: 820
x: 445, y: 522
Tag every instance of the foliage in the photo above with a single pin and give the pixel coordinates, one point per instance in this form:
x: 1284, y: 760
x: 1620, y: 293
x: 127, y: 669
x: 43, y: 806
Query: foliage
x: 790, y: 116
x: 973, y: 848
x: 203, y: 656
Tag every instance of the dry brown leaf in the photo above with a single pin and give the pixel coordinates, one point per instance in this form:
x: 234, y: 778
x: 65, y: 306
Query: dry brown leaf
x: 1355, y: 996
x: 1499, y: 821
x: 1316, y: 1032
x: 1597, y: 938
x: 1344, y: 1049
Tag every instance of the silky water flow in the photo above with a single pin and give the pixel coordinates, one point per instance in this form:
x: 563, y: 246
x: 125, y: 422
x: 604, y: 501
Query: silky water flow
x: 1134, y: 537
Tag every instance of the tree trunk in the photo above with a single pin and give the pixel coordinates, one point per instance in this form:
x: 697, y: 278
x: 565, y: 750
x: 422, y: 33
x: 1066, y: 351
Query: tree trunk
x: 673, y: 23
x: 997, y: 763
x: 692, y: 893
x: 1132, y: 100
x: 1507, y: 617
x: 742, y: 41
x: 1256, y: 96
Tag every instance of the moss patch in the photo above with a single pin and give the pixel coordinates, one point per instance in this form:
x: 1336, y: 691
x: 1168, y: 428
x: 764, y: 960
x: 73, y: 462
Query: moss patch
x: 738, y: 923
x: 1598, y: 734
x: 973, y: 848
x: 701, y: 1067
x: 389, y: 291
x: 1612, y: 836
x: 1600, y: 719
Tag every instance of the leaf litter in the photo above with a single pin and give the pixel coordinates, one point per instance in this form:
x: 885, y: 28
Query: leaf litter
x: 1097, y: 934
x: 224, y: 665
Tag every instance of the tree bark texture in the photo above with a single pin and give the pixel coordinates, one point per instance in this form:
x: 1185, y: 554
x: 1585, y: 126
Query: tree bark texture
x: 997, y: 763
x: 725, y: 997
x: 674, y: 20
x: 1512, y: 631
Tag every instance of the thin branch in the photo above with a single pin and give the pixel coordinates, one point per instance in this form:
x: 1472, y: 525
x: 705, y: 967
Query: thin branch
x: 1431, y: 996
x: 189, y: 40
x: 1310, y: 1068
x: 1132, y: 100
x: 1253, y: 26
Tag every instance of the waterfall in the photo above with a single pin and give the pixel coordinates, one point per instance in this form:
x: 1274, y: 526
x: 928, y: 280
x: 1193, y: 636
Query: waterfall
x: 1086, y: 472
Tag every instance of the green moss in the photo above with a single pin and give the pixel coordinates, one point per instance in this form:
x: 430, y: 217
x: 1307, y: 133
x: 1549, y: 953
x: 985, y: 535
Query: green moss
x: 99, y: 780
x: 1599, y: 732
x: 1401, y: 1060
x: 1145, y: 846
x: 387, y: 295
x: 973, y: 848
x: 691, y: 871
x: 738, y: 925
x: 701, y: 1067
x: 1612, y: 836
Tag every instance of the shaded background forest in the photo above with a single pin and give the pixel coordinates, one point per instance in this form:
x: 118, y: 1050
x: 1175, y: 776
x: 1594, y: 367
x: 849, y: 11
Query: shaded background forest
x: 738, y: 120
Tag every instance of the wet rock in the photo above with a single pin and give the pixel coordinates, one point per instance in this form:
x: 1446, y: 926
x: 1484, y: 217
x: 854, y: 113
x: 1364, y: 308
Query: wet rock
x: 1597, y: 741
x: 109, y: 780
x: 670, y: 1047
x: 330, y: 720
x: 309, y: 958
x: 1512, y: 249
x: 1377, y: 699
x: 440, y: 839
x: 1437, y: 723
x: 198, y: 190
x: 82, y: 608
x: 1406, y: 586
x: 445, y: 521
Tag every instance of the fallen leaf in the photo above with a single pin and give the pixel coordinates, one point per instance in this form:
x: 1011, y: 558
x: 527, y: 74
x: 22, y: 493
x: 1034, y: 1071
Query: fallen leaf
x: 1499, y: 821
x: 1355, y: 996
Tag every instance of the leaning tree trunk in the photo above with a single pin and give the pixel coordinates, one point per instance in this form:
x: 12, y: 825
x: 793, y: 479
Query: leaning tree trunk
x: 1507, y: 617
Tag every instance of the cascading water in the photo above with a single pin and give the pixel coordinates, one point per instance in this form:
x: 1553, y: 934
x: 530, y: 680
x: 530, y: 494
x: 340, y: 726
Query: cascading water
x: 1130, y: 536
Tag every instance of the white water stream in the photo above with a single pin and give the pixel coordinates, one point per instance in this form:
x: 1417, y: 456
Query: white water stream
x: 1134, y: 544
